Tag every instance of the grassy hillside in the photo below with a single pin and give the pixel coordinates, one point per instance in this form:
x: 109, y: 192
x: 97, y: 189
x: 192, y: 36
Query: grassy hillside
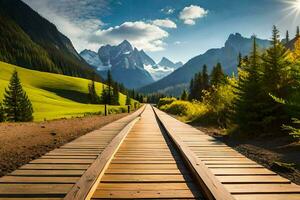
x: 30, y: 41
x: 54, y: 96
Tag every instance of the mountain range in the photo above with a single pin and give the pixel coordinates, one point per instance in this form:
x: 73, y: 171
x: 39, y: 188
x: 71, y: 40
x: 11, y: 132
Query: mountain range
x: 174, y: 83
x: 128, y: 65
x: 29, y: 40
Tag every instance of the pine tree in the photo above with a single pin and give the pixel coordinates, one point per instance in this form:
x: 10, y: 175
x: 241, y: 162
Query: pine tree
x: 275, y: 81
x: 240, y: 60
x: 128, y: 100
x: 105, y: 95
x: 17, y: 105
x: 287, y: 37
x: 297, y: 32
x: 247, y: 104
x: 198, y: 86
x: 217, y: 76
x: 205, y: 78
x: 115, y: 97
x: 2, y: 115
x: 109, y: 83
x: 184, y: 96
x: 93, y: 97
x: 191, y: 93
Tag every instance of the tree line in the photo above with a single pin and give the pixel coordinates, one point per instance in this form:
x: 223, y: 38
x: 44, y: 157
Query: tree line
x: 16, y: 106
x: 265, y: 95
x: 110, y: 92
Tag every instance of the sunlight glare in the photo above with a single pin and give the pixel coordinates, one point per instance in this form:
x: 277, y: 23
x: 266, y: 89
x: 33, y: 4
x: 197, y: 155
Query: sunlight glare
x: 297, y: 4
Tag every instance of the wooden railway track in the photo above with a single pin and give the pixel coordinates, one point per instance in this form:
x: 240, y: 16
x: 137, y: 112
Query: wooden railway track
x: 147, y: 155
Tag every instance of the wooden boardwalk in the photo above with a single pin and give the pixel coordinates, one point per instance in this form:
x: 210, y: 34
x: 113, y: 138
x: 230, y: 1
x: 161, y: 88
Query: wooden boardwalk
x: 147, y: 156
x: 146, y: 166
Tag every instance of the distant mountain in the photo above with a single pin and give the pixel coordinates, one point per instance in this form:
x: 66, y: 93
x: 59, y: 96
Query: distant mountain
x: 167, y: 63
x: 226, y: 55
x: 163, y: 68
x: 125, y: 62
x: 29, y: 40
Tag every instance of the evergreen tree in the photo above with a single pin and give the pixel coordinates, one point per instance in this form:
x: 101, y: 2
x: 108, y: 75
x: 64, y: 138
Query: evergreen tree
x: 297, y: 32
x: 93, y: 97
x: 198, y: 86
x: 105, y: 95
x: 191, y: 93
x: 128, y: 100
x: 109, y: 83
x: 287, y: 37
x: 115, y: 97
x: 2, y: 115
x: 240, y: 60
x: 184, y: 96
x: 205, y: 78
x: 17, y: 105
x: 275, y: 81
x: 247, y: 104
x: 217, y: 76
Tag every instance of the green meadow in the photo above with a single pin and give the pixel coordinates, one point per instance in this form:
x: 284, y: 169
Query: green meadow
x: 55, y: 96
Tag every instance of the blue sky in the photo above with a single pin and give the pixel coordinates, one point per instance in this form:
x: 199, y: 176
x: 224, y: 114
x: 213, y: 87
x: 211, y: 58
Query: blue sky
x: 177, y: 29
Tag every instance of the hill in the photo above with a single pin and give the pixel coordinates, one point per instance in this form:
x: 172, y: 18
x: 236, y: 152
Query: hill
x: 54, y: 96
x: 29, y: 40
x: 174, y: 83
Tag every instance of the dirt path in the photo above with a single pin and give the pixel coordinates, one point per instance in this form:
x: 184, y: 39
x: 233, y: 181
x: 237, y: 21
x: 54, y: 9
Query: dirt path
x: 23, y: 142
x: 280, y: 154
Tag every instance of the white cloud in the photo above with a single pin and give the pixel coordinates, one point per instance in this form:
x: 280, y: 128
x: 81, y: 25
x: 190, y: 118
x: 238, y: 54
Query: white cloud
x: 177, y: 42
x: 168, y: 11
x: 142, y: 35
x: 191, y: 13
x: 79, y: 21
x: 166, y: 23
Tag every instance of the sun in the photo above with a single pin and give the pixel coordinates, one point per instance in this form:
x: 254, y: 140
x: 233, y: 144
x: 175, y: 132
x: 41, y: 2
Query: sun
x: 296, y: 4
x: 292, y: 9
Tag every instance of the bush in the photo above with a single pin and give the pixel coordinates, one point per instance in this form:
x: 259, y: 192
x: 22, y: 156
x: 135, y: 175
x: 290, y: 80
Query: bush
x: 188, y: 111
x: 165, y: 101
x: 219, y: 102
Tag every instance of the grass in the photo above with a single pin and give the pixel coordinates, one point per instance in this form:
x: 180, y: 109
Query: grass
x: 55, y: 96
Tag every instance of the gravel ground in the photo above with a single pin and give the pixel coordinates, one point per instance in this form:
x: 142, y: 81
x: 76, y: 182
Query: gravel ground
x: 22, y: 142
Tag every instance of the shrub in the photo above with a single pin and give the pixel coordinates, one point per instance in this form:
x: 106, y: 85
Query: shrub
x: 165, y: 101
x: 187, y: 110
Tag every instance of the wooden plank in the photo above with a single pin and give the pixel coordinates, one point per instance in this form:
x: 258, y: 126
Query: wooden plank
x: 262, y: 188
x: 54, y: 166
x: 34, y: 189
x: 47, y: 173
x: 108, y: 178
x: 32, y: 180
x: 268, y: 197
x: 253, y: 179
x: 158, y: 194
x: 242, y: 171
